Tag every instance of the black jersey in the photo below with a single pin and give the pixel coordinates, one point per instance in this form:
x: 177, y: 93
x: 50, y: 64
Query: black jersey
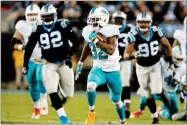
x: 54, y: 42
x: 122, y: 39
x: 148, y: 47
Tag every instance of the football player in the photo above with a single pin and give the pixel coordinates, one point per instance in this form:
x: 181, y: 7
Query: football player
x: 106, y: 67
x: 34, y: 78
x: 171, y: 81
x: 180, y: 37
x: 53, y: 36
x: 126, y: 66
x: 144, y: 46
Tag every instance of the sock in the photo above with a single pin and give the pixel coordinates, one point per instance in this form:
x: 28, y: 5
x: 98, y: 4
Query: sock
x: 120, y: 111
x: 43, y: 98
x: 56, y: 101
x: 37, y: 104
x: 151, y: 104
x: 125, y: 93
x: 61, y: 112
x: 143, y: 103
x: 91, y: 97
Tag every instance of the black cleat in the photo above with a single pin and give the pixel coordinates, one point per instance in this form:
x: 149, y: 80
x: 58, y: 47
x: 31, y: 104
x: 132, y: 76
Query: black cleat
x: 155, y: 121
x: 127, y: 114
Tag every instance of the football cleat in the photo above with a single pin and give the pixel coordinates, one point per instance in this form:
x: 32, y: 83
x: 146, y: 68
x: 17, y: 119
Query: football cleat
x: 91, y: 118
x: 44, y: 111
x: 64, y: 120
x: 36, y: 114
x: 136, y: 114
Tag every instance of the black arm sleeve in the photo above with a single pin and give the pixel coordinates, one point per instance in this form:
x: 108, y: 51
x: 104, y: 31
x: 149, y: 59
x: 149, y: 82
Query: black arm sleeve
x: 29, y: 48
x: 73, y: 38
x: 14, y: 41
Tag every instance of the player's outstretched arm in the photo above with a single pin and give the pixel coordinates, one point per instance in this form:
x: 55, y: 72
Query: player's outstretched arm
x: 108, y: 47
x: 29, y: 49
x: 164, y: 41
x: 16, y: 42
x: 85, y: 52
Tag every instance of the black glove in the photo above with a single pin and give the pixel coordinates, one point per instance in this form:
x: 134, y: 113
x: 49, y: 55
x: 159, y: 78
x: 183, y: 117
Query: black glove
x: 68, y: 61
x: 25, y: 70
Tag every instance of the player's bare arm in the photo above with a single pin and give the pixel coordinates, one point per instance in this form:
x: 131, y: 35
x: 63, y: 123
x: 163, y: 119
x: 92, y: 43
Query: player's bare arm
x: 130, y: 49
x: 167, y: 45
x: 108, y: 47
x: 16, y: 42
x: 85, y: 52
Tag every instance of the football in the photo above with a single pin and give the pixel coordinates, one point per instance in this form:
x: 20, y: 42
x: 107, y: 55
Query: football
x: 101, y: 37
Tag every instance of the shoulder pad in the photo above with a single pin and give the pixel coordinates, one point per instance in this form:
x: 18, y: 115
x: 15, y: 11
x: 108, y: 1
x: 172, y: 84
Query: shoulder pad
x: 134, y: 32
x: 20, y: 24
x: 157, y: 29
x: 64, y: 22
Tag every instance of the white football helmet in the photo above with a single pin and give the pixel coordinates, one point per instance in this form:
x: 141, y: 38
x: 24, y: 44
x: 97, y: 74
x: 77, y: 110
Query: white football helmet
x: 143, y: 17
x: 97, y: 18
x: 48, y: 14
x: 185, y: 24
x: 178, y: 55
x: 119, y: 18
x: 32, y: 14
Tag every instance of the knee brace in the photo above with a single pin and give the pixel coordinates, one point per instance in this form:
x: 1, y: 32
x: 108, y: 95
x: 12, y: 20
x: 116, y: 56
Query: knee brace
x: 118, y: 104
x: 91, y: 86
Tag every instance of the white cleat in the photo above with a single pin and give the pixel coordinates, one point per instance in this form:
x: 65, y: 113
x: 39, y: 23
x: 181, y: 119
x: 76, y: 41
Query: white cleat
x: 34, y: 116
x: 44, y: 111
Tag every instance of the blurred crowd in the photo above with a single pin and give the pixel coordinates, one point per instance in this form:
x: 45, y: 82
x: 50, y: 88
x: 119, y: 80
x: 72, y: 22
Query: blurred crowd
x: 77, y: 11
x: 163, y: 13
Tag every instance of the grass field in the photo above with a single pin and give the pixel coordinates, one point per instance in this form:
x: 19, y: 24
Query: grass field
x: 16, y: 107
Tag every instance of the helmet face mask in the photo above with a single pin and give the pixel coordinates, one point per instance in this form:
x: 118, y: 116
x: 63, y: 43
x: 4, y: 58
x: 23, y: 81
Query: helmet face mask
x: 32, y: 14
x: 143, y: 22
x: 48, y: 14
x: 97, y: 18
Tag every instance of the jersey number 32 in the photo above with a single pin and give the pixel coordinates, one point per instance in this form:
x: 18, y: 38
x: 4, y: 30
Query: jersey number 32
x: 51, y: 40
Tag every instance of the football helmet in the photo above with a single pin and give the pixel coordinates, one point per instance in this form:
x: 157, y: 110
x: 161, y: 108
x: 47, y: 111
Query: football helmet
x: 178, y: 55
x: 97, y: 18
x: 32, y: 14
x: 143, y: 22
x: 119, y: 18
x: 48, y: 14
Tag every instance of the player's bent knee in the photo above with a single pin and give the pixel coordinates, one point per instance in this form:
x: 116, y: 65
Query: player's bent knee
x: 91, y: 86
x: 115, y: 98
x: 118, y: 104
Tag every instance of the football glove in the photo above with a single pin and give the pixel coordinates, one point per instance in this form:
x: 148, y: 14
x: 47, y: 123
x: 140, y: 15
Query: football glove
x: 78, y: 70
x: 92, y: 36
x: 135, y: 55
x: 25, y: 70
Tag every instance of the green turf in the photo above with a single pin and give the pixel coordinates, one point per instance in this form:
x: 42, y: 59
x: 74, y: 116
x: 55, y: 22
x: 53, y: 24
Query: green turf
x: 17, y: 108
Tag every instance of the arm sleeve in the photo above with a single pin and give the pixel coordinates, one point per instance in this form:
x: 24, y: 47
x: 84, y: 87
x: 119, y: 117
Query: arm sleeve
x: 29, y: 48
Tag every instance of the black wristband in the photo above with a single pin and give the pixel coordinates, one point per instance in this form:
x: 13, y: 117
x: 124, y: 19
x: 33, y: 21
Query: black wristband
x: 131, y: 57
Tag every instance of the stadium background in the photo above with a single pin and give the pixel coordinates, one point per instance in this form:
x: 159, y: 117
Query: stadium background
x: 167, y: 15
x: 17, y: 105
